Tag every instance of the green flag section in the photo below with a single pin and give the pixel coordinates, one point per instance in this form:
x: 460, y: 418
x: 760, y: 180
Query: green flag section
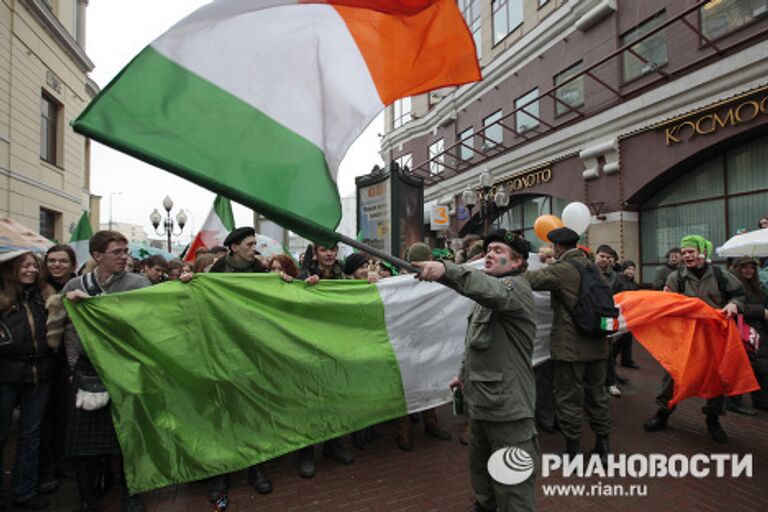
x: 80, y: 238
x: 226, y: 371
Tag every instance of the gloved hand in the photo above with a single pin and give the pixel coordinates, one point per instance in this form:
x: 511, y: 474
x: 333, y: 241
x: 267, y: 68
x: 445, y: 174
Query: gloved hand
x: 89, y: 401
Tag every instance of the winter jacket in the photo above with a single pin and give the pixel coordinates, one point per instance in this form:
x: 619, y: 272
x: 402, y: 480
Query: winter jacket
x: 563, y: 281
x: 496, y: 371
x: 24, y: 353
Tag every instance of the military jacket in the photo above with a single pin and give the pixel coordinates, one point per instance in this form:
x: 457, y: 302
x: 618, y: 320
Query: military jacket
x: 563, y: 281
x: 496, y: 370
x: 706, y: 288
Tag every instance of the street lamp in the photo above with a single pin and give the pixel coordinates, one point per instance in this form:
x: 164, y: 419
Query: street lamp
x: 156, y: 218
x: 491, y: 200
x: 111, y: 200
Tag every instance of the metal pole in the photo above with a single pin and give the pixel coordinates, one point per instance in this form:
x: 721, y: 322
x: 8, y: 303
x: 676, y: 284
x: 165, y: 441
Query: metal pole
x: 379, y: 254
x: 168, y: 228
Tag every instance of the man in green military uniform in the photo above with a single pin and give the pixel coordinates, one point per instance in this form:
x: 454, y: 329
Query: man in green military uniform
x: 719, y: 289
x: 579, y: 359
x: 496, y: 373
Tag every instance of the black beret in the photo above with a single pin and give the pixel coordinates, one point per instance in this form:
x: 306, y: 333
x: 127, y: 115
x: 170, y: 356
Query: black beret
x: 565, y: 236
x: 353, y: 262
x: 510, y: 239
x: 238, y: 235
x: 626, y: 264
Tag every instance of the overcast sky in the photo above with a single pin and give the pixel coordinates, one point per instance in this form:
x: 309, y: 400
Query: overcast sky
x: 116, y: 32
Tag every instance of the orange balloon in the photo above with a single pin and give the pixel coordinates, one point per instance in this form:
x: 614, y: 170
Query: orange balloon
x: 544, y: 224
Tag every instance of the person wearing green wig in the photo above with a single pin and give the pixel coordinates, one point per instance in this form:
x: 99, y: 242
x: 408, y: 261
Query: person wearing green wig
x: 721, y: 290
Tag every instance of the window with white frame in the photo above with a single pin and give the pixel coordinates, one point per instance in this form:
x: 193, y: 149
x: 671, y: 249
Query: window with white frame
x: 653, y: 49
x: 467, y: 148
x: 527, y: 118
x: 401, y: 111
x: 570, y: 94
x: 494, y: 133
x: 721, y: 17
x: 507, y: 16
x: 49, y: 129
x: 471, y: 11
x: 436, y: 157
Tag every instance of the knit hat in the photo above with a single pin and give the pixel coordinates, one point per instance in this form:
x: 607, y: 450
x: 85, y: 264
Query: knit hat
x: 475, y: 249
x: 353, y: 262
x: 626, y: 264
x: 419, y: 252
x: 699, y: 243
x: 743, y: 260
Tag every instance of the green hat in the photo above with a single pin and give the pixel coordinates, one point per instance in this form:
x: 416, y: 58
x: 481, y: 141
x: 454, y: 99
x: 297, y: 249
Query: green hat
x: 699, y: 243
x: 419, y: 252
x: 475, y: 249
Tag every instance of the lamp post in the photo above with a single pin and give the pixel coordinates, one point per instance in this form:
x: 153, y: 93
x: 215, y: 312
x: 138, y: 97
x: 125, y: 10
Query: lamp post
x: 491, y: 200
x: 156, y: 218
x: 111, y: 200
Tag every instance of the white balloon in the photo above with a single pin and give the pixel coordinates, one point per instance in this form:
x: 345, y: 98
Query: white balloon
x: 576, y: 216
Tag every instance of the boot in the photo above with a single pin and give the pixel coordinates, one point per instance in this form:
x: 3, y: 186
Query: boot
x: 358, y: 440
x: 333, y: 449
x: 258, y: 478
x: 403, y: 438
x: 219, y: 485
x: 134, y: 503
x: 307, y: 462
x: 714, y: 429
x: 85, y: 473
x: 571, y: 448
x: 432, y: 427
x: 601, y: 449
x: 658, y: 421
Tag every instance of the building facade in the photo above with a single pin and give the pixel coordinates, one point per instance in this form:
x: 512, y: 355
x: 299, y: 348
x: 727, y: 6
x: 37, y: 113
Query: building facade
x: 652, y: 113
x: 44, y: 85
x: 133, y: 232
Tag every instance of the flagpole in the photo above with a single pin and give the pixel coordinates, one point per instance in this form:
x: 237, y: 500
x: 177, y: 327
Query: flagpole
x: 379, y: 254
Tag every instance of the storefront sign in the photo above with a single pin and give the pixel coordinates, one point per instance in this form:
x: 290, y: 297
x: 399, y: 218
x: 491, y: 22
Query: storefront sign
x: 439, y: 218
x: 375, y: 214
x: 708, y: 124
x: 530, y: 179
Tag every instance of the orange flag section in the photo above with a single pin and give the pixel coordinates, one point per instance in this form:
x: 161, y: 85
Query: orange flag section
x: 412, y: 46
x: 698, y: 346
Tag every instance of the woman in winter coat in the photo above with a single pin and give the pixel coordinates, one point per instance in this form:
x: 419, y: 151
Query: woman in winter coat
x: 26, y: 366
x: 756, y: 315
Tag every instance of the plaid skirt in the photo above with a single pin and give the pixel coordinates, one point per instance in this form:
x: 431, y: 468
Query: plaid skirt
x: 89, y: 432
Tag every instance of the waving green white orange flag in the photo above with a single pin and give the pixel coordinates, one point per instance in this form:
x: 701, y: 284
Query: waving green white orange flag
x: 695, y: 343
x: 259, y: 100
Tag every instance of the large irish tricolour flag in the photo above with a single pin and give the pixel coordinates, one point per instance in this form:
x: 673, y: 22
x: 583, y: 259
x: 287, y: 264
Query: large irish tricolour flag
x: 259, y: 100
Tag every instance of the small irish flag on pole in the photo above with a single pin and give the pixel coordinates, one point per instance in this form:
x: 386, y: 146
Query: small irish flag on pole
x: 80, y: 238
x: 259, y: 100
x: 215, y: 229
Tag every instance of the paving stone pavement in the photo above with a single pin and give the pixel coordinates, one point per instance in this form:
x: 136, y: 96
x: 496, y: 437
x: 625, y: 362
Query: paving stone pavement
x: 434, y: 477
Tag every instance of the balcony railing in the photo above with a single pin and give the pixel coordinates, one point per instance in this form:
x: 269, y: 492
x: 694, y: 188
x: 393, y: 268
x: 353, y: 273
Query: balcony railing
x: 452, y: 164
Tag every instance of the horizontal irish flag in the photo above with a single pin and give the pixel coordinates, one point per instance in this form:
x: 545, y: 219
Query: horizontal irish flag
x: 215, y: 229
x: 232, y: 369
x: 699, y: 347
x: 259, y: 100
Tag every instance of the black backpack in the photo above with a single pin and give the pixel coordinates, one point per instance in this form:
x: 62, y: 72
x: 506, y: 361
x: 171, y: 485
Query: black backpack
x: 595, y: 313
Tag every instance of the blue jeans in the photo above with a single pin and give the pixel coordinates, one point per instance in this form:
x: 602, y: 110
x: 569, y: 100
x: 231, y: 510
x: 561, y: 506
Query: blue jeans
x: 32, y: 399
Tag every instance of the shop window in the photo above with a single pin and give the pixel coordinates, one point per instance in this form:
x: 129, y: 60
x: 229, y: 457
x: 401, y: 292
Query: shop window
x: 436, y: 157
x: 746, y: 167
x: 702, y: 182
x: 467, y: 145
x: 527, y: 118
x: 401, y: 111
x: 697, y: 203
x: 572, y: 93
x: 507, y: 16
x: 523, y: 212
x: 471, y: 11
x: 48, y: 221
x: 49, y: 129
x: 405, y: 160
x: 494, y: 133
x: 719, y: 17
x: 652, y: 49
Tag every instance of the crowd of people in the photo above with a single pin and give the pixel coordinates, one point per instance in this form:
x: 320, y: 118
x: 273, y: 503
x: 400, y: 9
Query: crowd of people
x: 65, y: 425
